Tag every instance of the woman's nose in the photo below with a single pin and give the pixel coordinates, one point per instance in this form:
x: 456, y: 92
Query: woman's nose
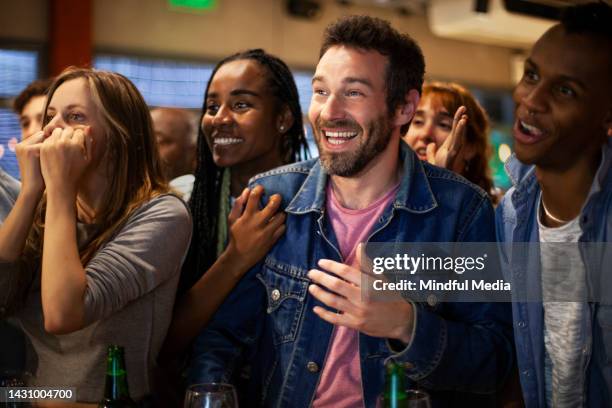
x: 425, y: 134
x: 222, y: 116
x: 54, y: 123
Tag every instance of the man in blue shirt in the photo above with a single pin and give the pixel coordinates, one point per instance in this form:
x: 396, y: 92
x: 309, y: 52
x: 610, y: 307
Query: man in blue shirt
x: 9, y: 190
x: 562, y: 193
x: 29, y: 106
x: 300, y: 311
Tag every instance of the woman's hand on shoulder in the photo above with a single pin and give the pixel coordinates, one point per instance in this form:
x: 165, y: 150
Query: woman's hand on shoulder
x: 253, y: 232
x: 64, y: 157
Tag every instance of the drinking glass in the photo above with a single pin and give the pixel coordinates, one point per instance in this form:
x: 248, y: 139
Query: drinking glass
x: 211, y: 395
x: 417, y: 399
x: 414, y: 399
x: 12, y: 379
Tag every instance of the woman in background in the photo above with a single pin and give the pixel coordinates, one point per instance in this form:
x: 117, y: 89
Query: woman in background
x: 90, y: 254
x: 251, y: 122
x: 450, y: 129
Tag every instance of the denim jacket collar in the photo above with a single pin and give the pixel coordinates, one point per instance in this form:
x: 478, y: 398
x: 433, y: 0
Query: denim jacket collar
x: 518, y: 172
x: 524, y: 180
x: 604, y: 176
x: 414, y: 194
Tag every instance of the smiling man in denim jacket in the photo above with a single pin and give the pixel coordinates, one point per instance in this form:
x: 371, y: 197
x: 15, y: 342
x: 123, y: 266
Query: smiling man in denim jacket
x: 366, y: 186
x: 563, y: 194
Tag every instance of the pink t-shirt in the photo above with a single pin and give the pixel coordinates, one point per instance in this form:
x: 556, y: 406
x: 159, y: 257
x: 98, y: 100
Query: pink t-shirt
x: 340, y: 384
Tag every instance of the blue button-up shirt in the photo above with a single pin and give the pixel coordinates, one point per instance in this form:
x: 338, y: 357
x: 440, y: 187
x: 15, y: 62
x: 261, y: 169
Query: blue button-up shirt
x: 9, y: 190
x: 516, y: 220
x: 268, y: 318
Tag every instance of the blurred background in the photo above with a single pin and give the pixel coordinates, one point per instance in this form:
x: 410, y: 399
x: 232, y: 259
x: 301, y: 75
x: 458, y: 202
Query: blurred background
x: 169, y: 47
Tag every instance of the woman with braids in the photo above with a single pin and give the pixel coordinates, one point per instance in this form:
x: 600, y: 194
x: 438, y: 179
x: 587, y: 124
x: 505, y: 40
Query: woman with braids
x: 251, y: 122
x: 450, y: 129
x: 90, y: 254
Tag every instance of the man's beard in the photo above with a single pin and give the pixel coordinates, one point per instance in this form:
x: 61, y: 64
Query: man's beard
x: 351, y: 163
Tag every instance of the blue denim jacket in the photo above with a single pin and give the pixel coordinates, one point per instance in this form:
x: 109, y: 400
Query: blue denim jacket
x: 516, y: 220
x: 269, y: 317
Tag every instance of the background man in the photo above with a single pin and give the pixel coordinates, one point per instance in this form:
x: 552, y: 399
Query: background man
x: 563, y: 193
x: 177, y: 140
x: 29, y: 105
x: 366, y: 186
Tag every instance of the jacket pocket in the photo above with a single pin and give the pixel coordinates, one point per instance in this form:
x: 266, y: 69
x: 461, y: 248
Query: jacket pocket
x: 286, y: 288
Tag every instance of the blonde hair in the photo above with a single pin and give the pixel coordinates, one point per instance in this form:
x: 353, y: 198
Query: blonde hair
x: 131, y: 156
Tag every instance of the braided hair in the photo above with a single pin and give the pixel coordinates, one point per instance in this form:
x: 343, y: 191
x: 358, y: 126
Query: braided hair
x: 205, y: 198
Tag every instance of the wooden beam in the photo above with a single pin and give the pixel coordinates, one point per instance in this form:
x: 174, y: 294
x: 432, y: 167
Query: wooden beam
x: 70, y: 34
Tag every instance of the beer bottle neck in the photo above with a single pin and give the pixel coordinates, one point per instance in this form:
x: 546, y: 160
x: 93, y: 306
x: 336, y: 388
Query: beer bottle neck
x: 116, y: 378
x: 395, y: 392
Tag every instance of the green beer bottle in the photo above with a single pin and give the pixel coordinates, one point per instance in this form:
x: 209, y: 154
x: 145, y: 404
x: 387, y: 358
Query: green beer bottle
x: 394, y: 395
x: 116, y: 392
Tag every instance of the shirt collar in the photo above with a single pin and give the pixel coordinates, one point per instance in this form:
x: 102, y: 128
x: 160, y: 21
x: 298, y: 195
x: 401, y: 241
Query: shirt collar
x: 414, y: 193
x: 522, y: 174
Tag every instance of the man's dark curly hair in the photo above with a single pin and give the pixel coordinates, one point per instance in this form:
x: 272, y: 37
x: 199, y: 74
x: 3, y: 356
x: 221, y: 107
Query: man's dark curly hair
x: 406, y: 66
x: 35, y: 88
x: 593, y: 20
x: 589, y: 19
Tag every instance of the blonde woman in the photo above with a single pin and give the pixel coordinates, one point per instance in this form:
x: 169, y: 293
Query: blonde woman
x: 91, y: 252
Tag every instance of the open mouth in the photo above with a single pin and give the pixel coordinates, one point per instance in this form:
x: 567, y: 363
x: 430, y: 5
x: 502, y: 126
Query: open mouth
x: 527, y: 133
x: 339, y: 137
x: 226, y: 141
x: 529, y: 129
x: 421, y: 152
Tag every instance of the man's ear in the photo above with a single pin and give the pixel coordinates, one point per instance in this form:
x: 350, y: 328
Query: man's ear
x: 284, y: 120
x: 405, y: 112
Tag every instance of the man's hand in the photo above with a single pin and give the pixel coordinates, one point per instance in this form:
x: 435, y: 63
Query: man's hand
x: 386, y: 319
